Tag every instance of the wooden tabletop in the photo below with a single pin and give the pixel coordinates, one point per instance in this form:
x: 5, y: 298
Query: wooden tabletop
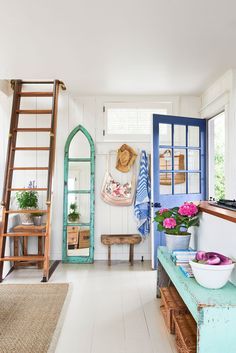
x: 30, y: 228
x: 109, y: 239
x: 220, y: 212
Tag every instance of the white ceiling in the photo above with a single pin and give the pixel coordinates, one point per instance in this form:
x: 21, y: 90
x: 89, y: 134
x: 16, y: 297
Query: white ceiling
x: 119, y: 46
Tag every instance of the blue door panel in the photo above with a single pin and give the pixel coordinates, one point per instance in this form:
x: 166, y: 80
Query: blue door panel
x: 172, y: 200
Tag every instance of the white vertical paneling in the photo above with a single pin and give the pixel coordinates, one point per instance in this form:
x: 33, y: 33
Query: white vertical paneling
x: 108, y: 219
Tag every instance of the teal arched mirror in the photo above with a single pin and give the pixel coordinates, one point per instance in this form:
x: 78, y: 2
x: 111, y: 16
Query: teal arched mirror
x: 78, y: 219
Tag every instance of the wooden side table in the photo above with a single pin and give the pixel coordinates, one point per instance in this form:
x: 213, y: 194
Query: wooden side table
x: 131, y: 239
x: 24, y: 229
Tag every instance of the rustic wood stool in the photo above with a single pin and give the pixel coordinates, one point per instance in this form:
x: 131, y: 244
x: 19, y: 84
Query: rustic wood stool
x: 24, y: 230
x: 131, y: 239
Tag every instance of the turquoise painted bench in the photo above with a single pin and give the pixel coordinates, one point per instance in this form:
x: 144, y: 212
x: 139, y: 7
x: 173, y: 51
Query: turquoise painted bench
x: 214, y: 310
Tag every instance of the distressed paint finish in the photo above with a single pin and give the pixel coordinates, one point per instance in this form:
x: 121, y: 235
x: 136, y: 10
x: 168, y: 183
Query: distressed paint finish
x: 214, y: 310
x: 67, y: 160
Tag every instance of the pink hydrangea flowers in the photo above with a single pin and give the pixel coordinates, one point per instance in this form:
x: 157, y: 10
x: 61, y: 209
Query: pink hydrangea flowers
x: 163, y: 210
x: 169, y: 223
x: 188, y: 209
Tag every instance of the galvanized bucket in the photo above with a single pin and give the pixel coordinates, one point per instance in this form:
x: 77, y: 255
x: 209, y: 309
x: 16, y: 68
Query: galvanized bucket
x: 177, y: 242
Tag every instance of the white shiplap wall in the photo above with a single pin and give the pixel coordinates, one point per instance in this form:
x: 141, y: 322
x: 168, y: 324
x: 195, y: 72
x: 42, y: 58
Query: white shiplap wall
x: 108, y: 219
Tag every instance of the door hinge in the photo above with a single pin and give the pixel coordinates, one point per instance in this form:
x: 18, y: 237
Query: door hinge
x: 103, y: 132
x: 104, y: 109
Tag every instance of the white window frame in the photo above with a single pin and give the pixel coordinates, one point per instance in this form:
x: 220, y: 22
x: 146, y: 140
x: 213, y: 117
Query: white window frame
x: 211, y: 152
x: 155, y: 106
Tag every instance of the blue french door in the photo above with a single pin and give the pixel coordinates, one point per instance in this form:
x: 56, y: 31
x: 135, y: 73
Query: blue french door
x: 179, y: 165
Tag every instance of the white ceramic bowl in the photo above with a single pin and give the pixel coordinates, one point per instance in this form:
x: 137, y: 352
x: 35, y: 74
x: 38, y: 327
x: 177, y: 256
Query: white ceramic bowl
x: 211, y: 276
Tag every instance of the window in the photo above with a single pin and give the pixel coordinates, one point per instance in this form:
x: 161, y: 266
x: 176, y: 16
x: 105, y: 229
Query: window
x: 134, y: 121
x: 216, y: 134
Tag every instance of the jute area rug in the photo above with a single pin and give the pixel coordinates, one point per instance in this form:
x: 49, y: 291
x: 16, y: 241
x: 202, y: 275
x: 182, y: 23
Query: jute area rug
x: 29, y: 315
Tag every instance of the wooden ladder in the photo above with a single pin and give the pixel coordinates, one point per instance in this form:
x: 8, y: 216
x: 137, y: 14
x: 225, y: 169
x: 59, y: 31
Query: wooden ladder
x: 16, y: 114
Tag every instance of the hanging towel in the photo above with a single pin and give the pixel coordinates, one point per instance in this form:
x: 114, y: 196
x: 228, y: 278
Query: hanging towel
x: 143, y: 195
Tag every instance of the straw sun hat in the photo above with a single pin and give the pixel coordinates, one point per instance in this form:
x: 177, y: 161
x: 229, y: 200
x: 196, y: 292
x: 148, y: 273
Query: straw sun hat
x: 126, y: 156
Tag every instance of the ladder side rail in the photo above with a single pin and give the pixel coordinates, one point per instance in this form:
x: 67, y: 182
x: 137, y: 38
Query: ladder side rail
x: 11, y: 142
x: 51, y: 160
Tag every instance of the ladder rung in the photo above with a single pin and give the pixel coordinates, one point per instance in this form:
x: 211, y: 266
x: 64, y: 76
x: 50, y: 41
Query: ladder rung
x: 26, y: 211
x: 31, y: 148
x: 37, y: 82
x: 35, y: 94
x: 23, y: 258
x: 27, y: 189
x: 29, y: 168
x: 39, y: 129
x: 22, y: 234
x: 27, y: 111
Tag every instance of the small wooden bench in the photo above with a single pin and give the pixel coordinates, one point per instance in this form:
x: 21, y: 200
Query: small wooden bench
x: 131, y: 239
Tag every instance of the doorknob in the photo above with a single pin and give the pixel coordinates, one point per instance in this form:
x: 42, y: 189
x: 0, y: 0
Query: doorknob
x: 156, y: 204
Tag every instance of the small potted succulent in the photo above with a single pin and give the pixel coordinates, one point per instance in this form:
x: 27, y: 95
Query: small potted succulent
x: 175, y: 222
x: 73, y: 215
x: 27, y: 200
x: 37, y: 218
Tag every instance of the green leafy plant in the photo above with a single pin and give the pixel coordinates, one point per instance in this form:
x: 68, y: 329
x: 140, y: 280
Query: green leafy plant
x: 27, y: 199
x: 37, y: 214
x: 73, y: 215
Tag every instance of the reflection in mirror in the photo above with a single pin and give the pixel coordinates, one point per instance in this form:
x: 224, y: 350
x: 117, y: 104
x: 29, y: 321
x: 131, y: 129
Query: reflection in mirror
x: 78, y: 241
x: 79, y: 146
x: 80, y: 202
x: 165, y: 137
x: 179, y: 135
x: 79, y: 176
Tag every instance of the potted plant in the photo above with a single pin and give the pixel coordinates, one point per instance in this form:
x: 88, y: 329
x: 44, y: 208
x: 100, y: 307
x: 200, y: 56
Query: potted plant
x: 37, y: 218
x: 27, y: 200
x: 175, y: 222
x: 73, y: 214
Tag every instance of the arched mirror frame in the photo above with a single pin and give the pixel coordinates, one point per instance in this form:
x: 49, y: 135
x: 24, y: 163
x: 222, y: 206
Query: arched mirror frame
x: 67, y: 160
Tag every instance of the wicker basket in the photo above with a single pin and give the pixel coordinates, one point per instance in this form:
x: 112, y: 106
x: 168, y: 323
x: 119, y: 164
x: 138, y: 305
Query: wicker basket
x: 171, y: 303
x: 186, y: 333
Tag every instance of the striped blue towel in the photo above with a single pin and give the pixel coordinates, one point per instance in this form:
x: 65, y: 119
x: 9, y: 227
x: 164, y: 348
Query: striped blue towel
x: 143, y: 195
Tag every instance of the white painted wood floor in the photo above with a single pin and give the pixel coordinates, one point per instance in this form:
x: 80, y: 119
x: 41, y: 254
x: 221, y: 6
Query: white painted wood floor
x: 111, y: 310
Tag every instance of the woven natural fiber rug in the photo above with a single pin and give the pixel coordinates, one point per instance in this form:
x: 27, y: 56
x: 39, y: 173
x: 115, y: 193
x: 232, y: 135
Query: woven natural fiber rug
x: 29, y: 315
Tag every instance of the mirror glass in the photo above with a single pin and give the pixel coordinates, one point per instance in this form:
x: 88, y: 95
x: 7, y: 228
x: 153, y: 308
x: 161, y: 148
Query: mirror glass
x: 78, y: 221
x: 79, y: 146
x: 79, y: 176
x: 78, y: 241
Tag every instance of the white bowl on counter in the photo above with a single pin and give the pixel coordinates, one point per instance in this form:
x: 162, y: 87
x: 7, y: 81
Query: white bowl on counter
x: 211, y: 276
